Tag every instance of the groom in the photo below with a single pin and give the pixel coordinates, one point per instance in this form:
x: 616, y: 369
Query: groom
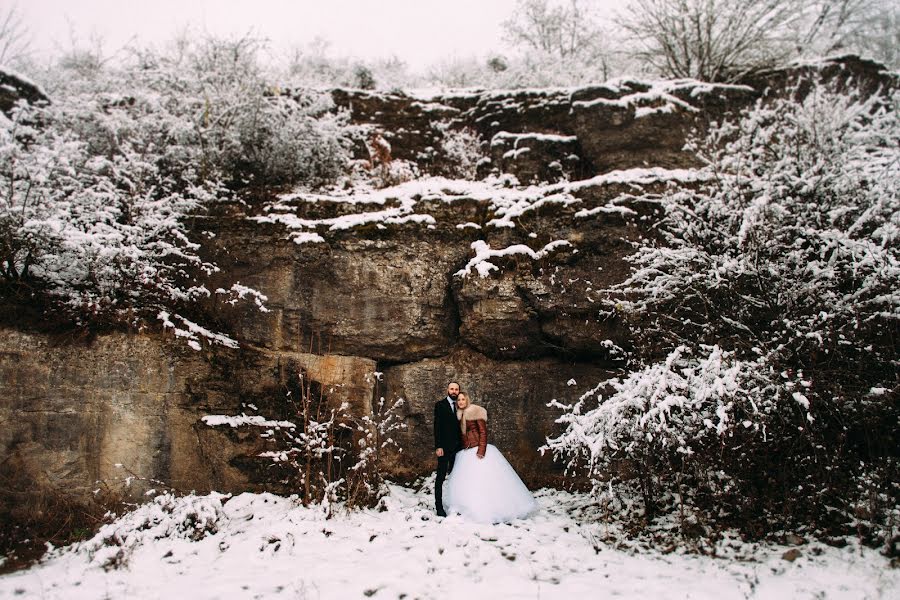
x: 447, y: 441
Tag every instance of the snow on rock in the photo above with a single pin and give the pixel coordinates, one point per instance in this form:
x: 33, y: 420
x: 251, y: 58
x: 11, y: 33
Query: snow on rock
x: 266, y: 546
x: 23, y: 78
x: 242, y: 419
x: 637, y: 176
x: 483, y: 252
x: 660, y: 97
x: 506, y: 203
x: 193, y: 330
x: 505, y: 138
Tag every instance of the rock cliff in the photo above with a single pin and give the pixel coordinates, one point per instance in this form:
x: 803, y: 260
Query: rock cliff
x: 386, y: 292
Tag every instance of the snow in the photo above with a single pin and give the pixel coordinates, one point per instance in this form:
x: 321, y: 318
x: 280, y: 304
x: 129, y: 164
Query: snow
x: 193, y: 330
x: 266, y: 546
x: 242, y: 419
x: 659, y: 98
x: 306, y: 237
x: 505, y: 137
x: 646, y: 111
x: 505, y: 202
x: 239, y: 292
x: 483, y: 252
x: 590, y: 212
x: 638, y: 176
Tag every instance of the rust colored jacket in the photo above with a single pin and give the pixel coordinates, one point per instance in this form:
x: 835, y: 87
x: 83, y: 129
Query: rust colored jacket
x: 476, y: 436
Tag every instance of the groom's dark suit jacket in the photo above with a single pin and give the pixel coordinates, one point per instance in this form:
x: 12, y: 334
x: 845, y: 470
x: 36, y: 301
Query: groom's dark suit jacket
x: 446, y: 428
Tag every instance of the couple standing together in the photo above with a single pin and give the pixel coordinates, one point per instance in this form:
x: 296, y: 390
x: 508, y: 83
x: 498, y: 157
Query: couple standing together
x: 482, y: 486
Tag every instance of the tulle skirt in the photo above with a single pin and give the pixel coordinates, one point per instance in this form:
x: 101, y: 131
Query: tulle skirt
x: 486, y: 490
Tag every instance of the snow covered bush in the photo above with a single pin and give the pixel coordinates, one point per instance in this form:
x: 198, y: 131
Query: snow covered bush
x: 99, y: 229
x: 765, y: 315
x: 679, y: 416
x: 99, y: 186
x: 462, y: 153
x: 281, y: 139
x: 165, y: 517
x: 250, y: 130
x: 791, y: 250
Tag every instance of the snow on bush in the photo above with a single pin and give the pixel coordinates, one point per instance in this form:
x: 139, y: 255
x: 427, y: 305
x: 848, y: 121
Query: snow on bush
x: 785, y: 261
x: 463, y: 154
x: 94, y: 219
x: 282, y: 139
x: 331, y: 454
x: 795, y: 235
x: 99, y: 185
x: 673, y: 406
x: 166, y: 517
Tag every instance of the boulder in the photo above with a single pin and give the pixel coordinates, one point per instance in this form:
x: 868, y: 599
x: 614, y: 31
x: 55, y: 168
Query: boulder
x: 15, y: 87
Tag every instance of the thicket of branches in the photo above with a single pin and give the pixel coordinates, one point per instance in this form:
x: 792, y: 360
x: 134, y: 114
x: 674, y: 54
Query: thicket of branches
x: 766, y: 324
x: 562, y: 43
x: 333, y: 455
x: 722, y: 40
x: 97, y: 186
x: 571, y: 42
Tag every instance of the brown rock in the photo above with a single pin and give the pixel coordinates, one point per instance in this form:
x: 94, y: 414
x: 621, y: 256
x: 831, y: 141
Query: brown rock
x: 792, y: 555
x: 75, y: 416
x: 515, y: 395
x: 14, y: 88
x: 535, y: 157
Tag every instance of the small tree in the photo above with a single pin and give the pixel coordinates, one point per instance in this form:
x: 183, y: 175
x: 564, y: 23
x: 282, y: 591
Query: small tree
x: 15, y: 40
x: 363, y: 78
x: 564, y: 30
x: 720, y: 40
x: 333, y: 455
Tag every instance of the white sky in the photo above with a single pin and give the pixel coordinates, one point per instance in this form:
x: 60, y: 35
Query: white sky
x: 418, y: 31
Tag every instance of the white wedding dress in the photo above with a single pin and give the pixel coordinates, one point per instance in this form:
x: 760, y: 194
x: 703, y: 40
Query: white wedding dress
x: 486, y: 490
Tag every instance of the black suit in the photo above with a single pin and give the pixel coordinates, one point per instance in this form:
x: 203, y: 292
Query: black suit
x: 448, y: 437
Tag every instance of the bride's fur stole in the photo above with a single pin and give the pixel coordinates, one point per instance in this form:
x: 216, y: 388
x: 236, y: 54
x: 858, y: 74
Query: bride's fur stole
x: 472, y: 412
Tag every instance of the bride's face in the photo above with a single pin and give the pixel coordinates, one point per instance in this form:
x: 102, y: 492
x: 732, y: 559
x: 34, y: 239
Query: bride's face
x: 462, y: 401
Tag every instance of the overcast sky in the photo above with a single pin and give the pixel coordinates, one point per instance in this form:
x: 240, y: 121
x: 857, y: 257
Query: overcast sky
x: 418, y: 31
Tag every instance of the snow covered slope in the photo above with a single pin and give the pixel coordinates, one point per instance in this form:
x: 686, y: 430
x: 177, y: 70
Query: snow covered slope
x: 265, y: 546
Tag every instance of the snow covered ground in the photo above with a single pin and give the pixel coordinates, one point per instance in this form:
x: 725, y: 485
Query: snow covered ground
x: 265, y: 546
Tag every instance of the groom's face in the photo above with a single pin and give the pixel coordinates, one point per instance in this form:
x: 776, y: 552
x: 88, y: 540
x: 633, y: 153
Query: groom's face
x: 453, y: 390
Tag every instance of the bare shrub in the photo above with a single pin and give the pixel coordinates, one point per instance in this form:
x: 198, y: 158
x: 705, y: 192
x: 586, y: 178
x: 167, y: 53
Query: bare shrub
x: 335, y: 456
x: 721, y: 40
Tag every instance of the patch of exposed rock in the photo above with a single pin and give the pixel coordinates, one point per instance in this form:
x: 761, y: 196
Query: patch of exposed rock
x: 503, y: 287
x: 15, y: 87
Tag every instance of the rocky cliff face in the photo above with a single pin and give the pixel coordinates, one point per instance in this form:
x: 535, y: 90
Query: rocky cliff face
x: 385, y: 293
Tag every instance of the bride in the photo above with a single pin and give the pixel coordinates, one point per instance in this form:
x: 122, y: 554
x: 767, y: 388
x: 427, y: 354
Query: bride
x: 483, y: 487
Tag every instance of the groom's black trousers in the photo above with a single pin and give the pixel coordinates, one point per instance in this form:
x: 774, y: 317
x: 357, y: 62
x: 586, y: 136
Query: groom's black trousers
x: 445, y: 465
